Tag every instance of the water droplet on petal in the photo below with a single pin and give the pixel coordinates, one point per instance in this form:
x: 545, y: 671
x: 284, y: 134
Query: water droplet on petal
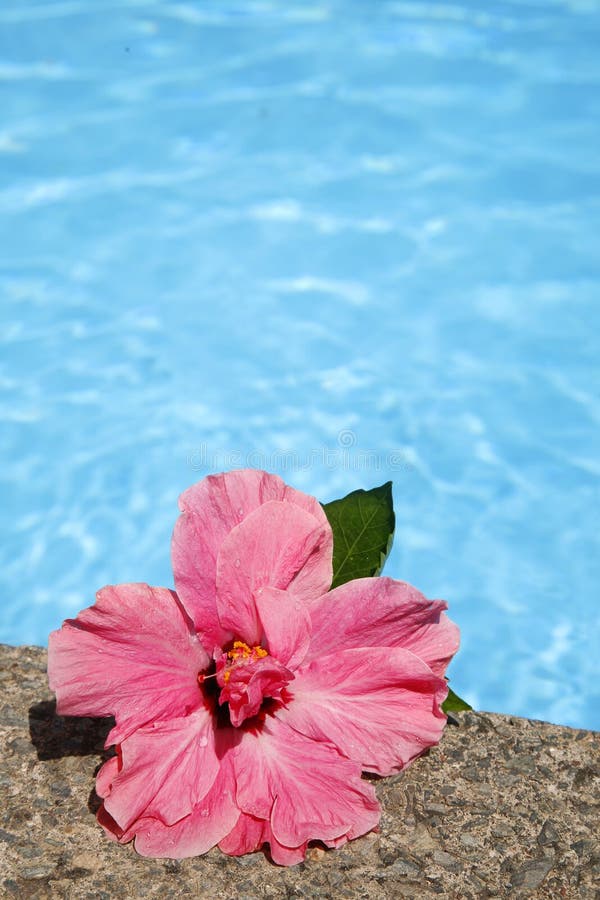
x: 203, y: 741
x: 237, y: 563
x: 240, y: 511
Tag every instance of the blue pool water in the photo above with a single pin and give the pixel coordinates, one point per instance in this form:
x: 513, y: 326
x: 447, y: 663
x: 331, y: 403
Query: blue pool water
x: 340, y: 240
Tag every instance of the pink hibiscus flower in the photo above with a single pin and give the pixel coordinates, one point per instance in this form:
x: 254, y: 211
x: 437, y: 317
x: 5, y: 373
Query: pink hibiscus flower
x: 248, y: 703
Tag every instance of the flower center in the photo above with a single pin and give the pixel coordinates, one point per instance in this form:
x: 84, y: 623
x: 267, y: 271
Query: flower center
x: 242, y: 653
x: 247, y: 676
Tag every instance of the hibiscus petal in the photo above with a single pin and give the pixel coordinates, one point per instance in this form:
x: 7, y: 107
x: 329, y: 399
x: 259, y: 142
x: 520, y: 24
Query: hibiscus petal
x: 133, y: 655
x: 210, y: 510
x: 167, y: 770
x: 286, y: 624
x: 281, y: 855
x: 381, y: 612
x: 196, y: 833
x: 250, y: 833
x: 246, y: 836
x: 111, y: 829
x: 306, y: 788
x: 379, y: 706
x: 107, y: 774
x: 278, y: 545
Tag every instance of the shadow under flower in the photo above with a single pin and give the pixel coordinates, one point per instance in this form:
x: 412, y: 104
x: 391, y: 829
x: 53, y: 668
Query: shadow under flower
x: 55, y: 737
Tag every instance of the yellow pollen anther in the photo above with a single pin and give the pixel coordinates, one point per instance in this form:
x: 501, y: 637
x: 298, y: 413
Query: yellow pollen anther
x: 241, y: 651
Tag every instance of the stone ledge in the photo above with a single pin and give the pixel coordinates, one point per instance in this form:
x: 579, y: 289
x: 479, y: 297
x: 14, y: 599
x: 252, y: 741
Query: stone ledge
x: 503, y: 807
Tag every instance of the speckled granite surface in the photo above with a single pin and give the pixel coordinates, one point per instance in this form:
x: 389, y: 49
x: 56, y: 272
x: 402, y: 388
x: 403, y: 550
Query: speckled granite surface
x: 503, y: 807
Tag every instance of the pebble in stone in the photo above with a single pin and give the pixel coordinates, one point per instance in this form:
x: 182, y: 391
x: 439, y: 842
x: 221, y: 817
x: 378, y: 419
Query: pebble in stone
x: 548, y: 835
x: 441, y: 858
x: 531, y: 874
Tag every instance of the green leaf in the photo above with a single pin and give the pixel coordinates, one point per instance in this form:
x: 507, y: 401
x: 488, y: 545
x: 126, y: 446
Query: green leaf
x: 363, y: 531
x: 453, y: 703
